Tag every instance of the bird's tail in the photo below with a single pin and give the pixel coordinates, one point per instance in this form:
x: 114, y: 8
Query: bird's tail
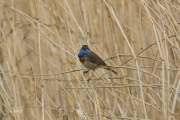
x: 114, y: 71
x: 111, y: 70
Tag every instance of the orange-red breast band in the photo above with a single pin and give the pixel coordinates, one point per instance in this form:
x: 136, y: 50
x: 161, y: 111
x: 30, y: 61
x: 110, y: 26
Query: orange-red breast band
x: 82, y: 60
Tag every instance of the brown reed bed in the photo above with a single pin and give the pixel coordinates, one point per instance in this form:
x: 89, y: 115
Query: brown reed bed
x: 42, y: 78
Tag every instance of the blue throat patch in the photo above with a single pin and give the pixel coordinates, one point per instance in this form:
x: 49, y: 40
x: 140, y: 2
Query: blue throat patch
x: 82, y: 53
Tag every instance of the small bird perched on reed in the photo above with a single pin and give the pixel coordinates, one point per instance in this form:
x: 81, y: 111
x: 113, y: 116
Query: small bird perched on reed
x: 91, y: 60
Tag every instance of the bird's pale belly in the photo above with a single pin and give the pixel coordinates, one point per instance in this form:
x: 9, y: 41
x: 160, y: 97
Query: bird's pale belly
x: 90, y: 65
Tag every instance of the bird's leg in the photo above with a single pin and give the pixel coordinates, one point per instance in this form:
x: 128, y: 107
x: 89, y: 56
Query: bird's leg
x: 85, y: 72
x: 91, y: 76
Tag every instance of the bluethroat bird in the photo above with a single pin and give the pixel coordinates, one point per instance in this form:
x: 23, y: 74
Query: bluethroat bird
x: 91, y: 60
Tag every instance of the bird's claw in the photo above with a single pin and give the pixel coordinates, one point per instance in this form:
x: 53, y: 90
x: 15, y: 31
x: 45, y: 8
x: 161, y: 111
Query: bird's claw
x: 85, y: 72
x: 89, y: 79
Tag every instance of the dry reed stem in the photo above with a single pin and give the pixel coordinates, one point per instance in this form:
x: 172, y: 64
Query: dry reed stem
x: 40, y: 61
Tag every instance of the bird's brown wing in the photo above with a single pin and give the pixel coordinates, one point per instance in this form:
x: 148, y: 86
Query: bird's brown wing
x: 94, y: 58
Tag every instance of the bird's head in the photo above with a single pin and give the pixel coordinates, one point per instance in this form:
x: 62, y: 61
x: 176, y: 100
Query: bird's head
x: 85, y: 49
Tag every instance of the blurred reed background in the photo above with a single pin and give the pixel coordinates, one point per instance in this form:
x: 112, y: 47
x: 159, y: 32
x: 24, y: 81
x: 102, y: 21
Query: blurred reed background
x: 42, y: 78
